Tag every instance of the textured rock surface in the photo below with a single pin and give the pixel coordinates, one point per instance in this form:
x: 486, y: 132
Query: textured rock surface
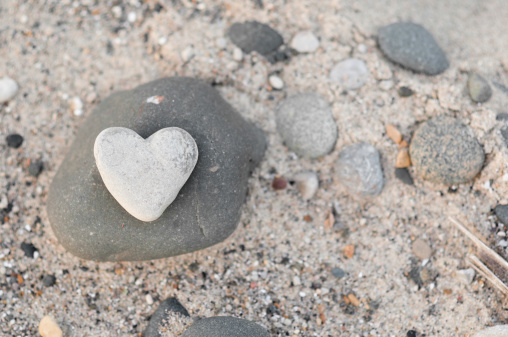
x: 91, y: 224
x: 145, y: 175
x: 166, y: 308
x: 479, y: 89
x: 350, y: 73
x: 306, y: 125
x: 359, y: 169
x: 255, y: 36
x: 495, y: 331
x: 225, y: 327
x: 413, y: 47
x: 444, y: 150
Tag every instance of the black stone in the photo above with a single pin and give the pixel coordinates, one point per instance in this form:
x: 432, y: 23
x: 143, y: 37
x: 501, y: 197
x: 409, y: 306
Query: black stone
x: 252, y: 36
x: 224, y: 326
x: 29, y: 249
x: 35, y: 168
x: 411, y: 333
x: 405, y: 92
x: 402, y: 173
x: 14, y: 140
x: 502, y: 213
x: 162, y: 313
x: 91, y: 224
x: 49, y: 280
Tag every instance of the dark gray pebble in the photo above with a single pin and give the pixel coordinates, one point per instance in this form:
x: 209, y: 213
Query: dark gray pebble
x: 502, y: 213
x: 402, y: 173
x: 405, y: 91
x: 338, y: 272
x: 49, y: 280
x: 35, y: 168
x: 29, y: 249
x: 162, y: 313
x: 14, y: 140
x: 502, y: 116
x: 255, y: 36
x: 223, y: 326
x: 413, y: 47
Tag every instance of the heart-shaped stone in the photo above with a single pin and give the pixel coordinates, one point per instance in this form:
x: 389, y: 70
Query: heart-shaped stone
x: 145, y: 175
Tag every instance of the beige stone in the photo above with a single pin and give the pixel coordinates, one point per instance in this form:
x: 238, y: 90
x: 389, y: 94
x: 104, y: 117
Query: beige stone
x: 49, y: 328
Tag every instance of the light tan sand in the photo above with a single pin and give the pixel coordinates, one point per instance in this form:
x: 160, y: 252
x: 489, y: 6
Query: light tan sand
x: 58, y: 51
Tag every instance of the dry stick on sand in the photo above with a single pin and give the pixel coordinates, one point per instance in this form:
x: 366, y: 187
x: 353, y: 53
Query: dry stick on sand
x: 489, y: 264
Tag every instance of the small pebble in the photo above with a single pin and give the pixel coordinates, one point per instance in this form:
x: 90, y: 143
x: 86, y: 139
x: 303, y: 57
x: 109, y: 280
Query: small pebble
x: 237, y: 54
x: 412, y: 333
x: 29, y: 249
x: 49, y: 328
x: 305, y: 42
x: 393, y: 133
x: 307, y: 183
x: 362, y: 48
x: 403, y: 175
x: 14, y: 140
x: 49, y: 280
x: 77, y: 106
x: 8, y: 89
x: 350, y: 73
x: 403, y: 159
x: 187, y: 54
x: 132, y: 17
x: 405, y: 91
x: 421, y: 249
x: 502, y: 213
x: 221, y: 43
x: 466, y: 275
x: 35, y: 168
x: 502, y: 116
x: 276, y: 82
x: 149, y: 299
x: 478, y: 87
x: 359, y: 169
x: 338, y: 272
x: 444, y: 150
x: 255, y: 36
x: 279, y: 183
x: 495, y: 331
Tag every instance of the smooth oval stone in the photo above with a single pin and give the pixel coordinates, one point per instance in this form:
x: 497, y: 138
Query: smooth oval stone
x: 8, y: 89
x: 495, y: 331
x: 305, y: 42
x: 306, y: 125
x: 413, y: 47
x: 252, y: 36
x: 359, y: 169
x: 224, y: 326
x: 350, y: 73
x: 444, y: 150
x: 91, y: 224
x: 479, y: 89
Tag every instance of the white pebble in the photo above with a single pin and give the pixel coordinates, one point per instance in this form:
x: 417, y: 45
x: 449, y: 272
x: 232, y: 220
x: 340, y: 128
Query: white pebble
x: 162, y: 40
x: 466, y: 275
x: 350, y: 73
x: 221, y: 43
x: 187, y: 54
x: 237, y: 54
x: 307, y: 183
x: 501, y: 234
x: 8, y: 88
x: 77, y: 106
x: 132, y: 17
x: 362, y: 48
x: 296, y: 281
x: 117, y: 11
x: 305, y: 42
x: 302, y: 294
x: 276, y: 82
x: 149, y: 299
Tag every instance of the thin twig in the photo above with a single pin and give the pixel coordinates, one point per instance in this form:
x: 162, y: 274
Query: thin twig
x: 487, y: 273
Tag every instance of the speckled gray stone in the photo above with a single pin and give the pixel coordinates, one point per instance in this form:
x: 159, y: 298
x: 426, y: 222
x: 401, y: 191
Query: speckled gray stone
x: 167, y: 307
x: 306, y: 125
x: 359, y: 169
x: 350, y: 73
x: 90, y: 223
x: 252, y: 36
x: 444, y: 150
x: 413, y: 47
x: 495, y: 331
x: 224, y: 326
x: 479, y: 89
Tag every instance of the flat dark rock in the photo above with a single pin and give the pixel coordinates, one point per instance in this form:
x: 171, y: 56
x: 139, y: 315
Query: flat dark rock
x: 413, y: 47
x: 91, y: 224
x: 223, y: 326
x: 166, y: 308
x: 252, y: 36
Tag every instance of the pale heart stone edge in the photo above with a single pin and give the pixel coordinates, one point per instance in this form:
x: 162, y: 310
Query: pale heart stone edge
x: 130, y: 194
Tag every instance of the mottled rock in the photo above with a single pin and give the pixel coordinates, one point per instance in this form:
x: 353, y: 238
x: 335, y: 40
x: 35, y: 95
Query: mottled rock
x: 444, y: 150
x: 306, y: 125
x: 350, y: 73
x: 359, y: 169
x: 502, y: 213
x: 413, y: 47
x: 91, y: 224
x: 479, y: 89
x: 223, y: 326
x: 495, y: 331
x: 255, y: 36
x: 168, y: 307
x: 305, y: 42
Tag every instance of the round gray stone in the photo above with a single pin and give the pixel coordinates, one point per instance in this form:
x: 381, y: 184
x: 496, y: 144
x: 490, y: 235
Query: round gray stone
x: 413, y: 47
x: 479, y: 89
x: 224, y: 326
x: 252, y: 36
x: 306, y: 125
x: 444, y: 150
x: 91, y: 224
x: 350, y: 73
x: 305, y: 42
x: 359, y: 169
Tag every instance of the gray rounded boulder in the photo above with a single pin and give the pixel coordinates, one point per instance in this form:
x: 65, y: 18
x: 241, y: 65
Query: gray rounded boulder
x: 444, y: 150
x: 91, y: 224
x: 223, y: 326
x: 306, y: 125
